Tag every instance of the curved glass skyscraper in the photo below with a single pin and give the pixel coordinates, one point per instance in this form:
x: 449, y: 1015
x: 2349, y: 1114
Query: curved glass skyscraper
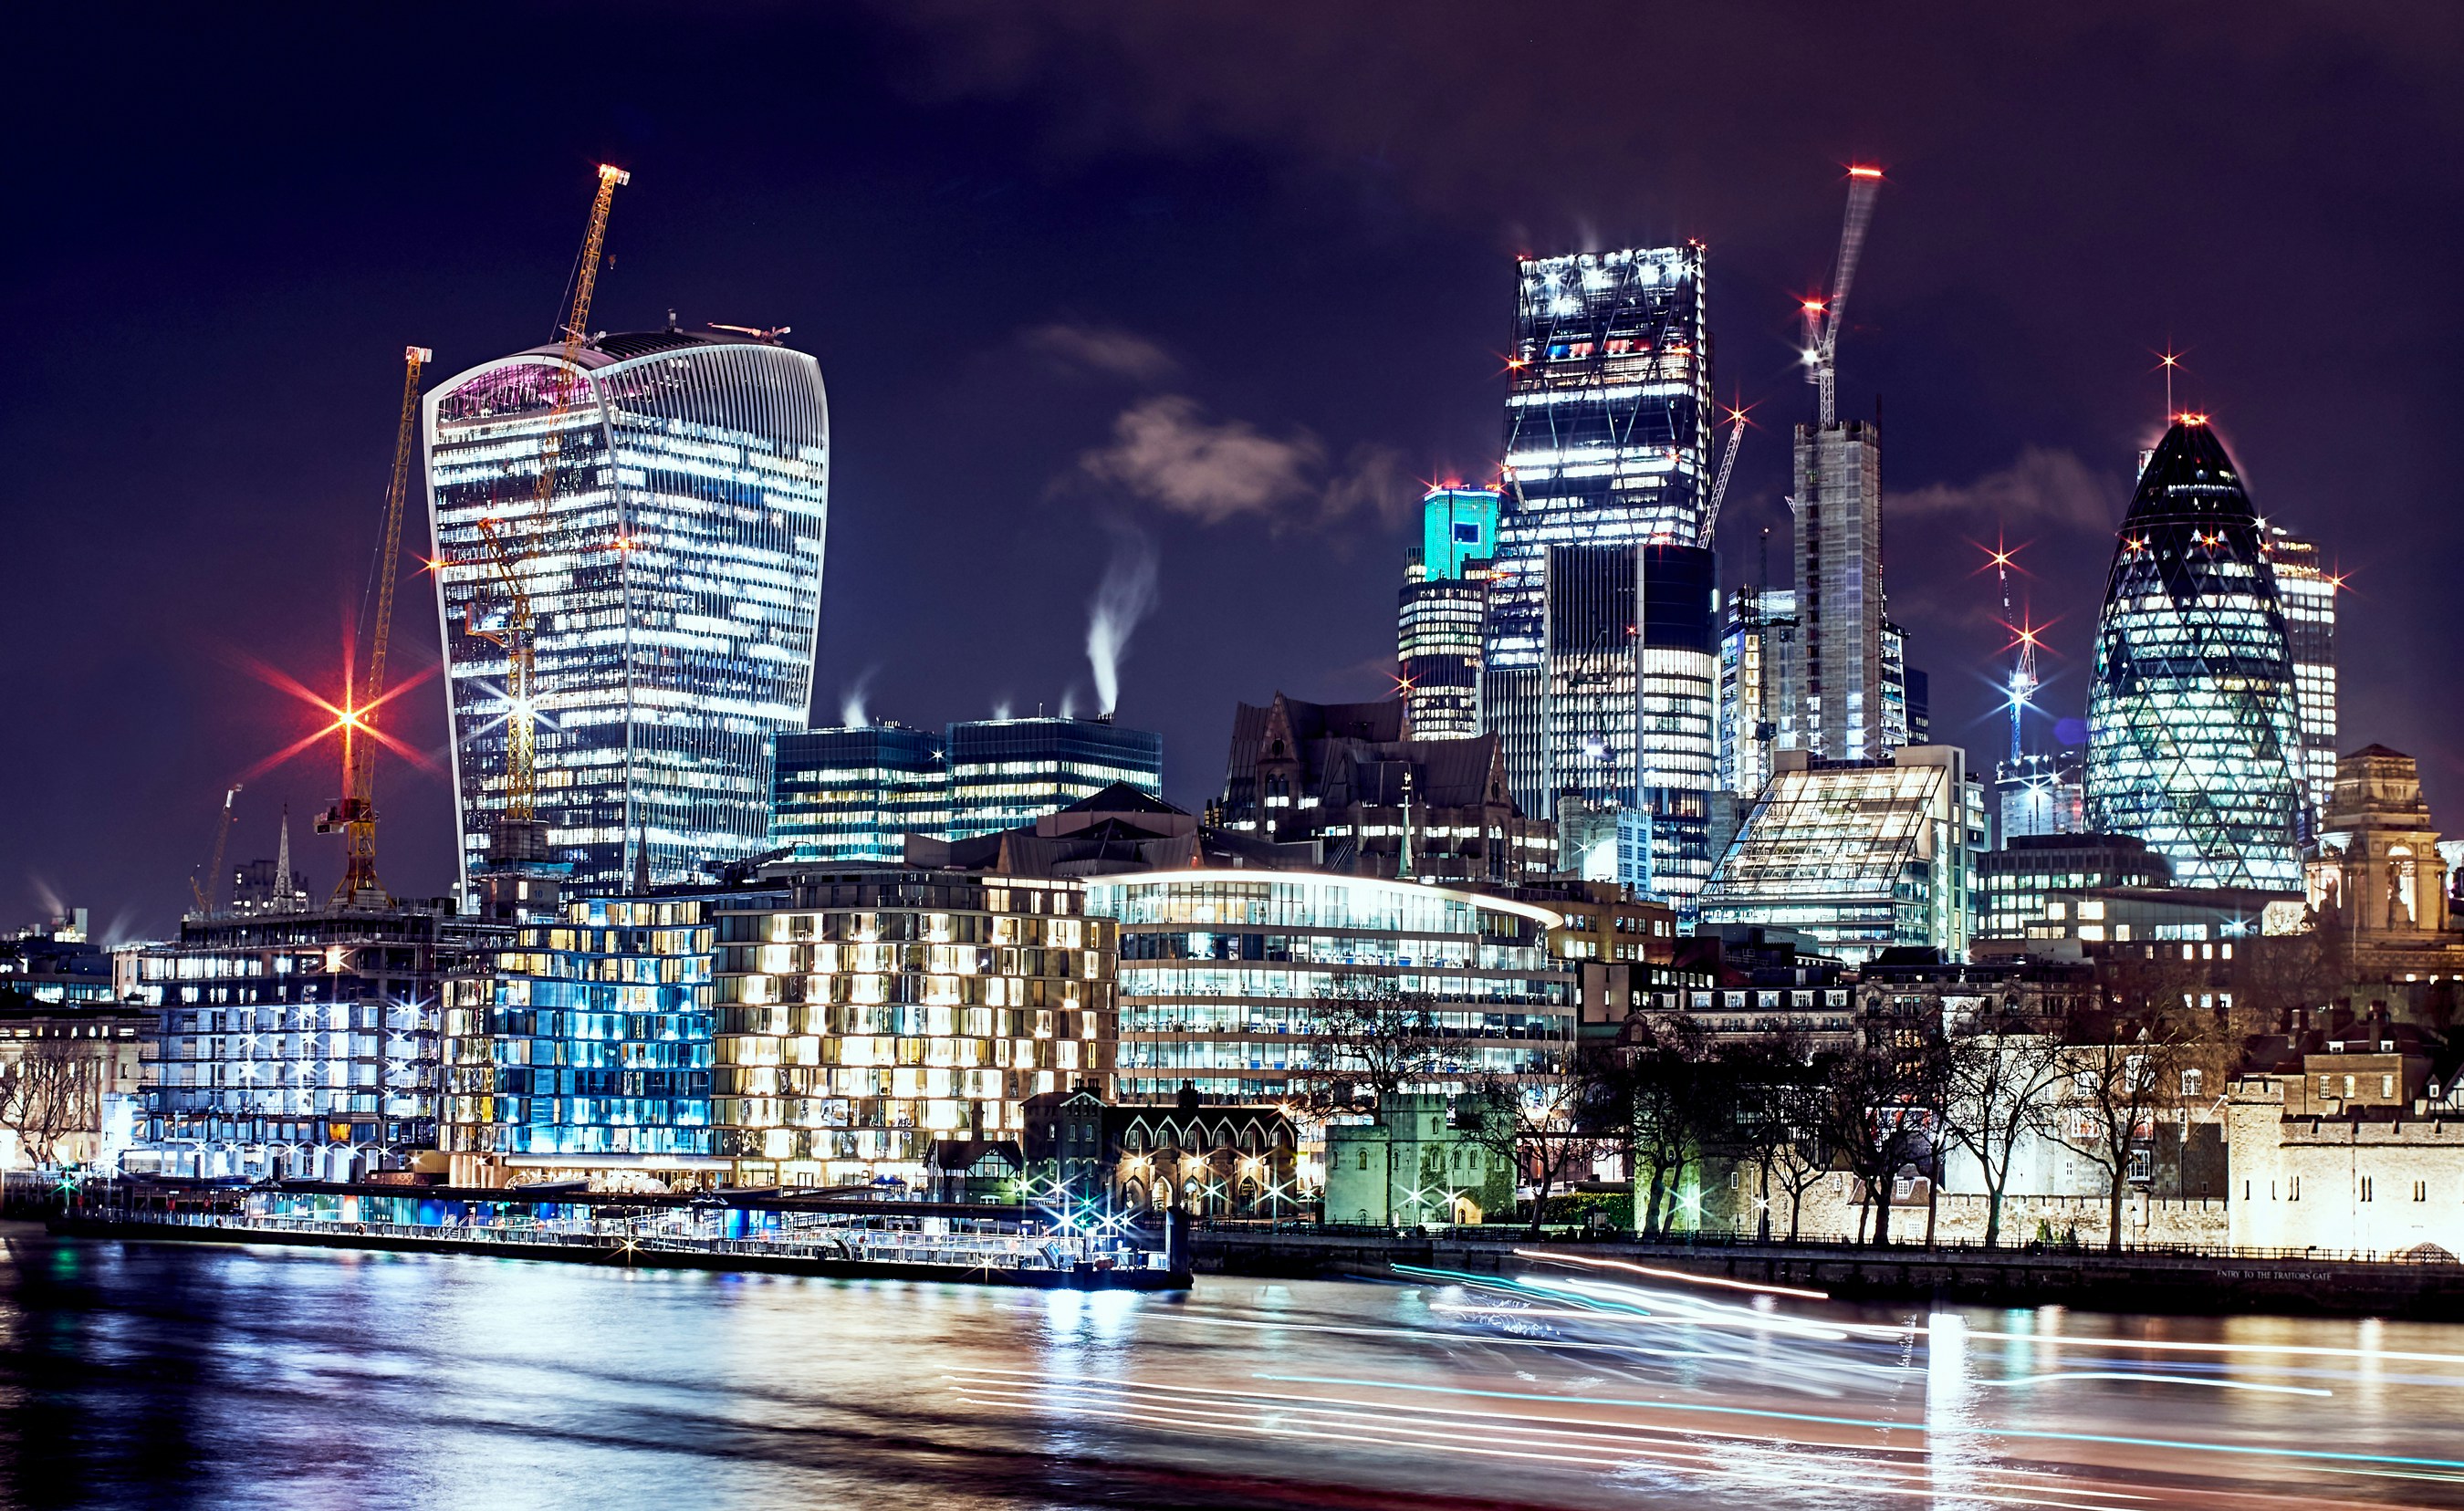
x: 2193, y: 722
x: 674, y: 580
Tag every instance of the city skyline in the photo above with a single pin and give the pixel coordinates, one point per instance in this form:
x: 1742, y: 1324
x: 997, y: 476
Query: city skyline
x: 266, y: 563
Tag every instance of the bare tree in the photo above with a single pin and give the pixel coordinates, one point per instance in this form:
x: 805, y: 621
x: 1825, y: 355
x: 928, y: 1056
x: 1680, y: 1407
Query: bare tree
x: 1552, y: 1122
x: 1773, y: 1088
x: 1884, y: 1101
x: 1998, y: 1091
x: 46, y: 1093
x: 1665, y: 1078
x: 2119, y: 1073
x: 1377, y: 1040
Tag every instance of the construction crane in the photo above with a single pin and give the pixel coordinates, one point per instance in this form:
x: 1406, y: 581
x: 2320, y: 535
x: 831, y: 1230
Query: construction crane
x: 1822, y: 317
x: 1720, y: 487
x: 355, y: 814
x: 521, y: 779
x: 205, y: 894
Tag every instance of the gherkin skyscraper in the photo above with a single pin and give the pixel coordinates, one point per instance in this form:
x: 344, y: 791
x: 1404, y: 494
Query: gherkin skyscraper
x: 2193, y: 719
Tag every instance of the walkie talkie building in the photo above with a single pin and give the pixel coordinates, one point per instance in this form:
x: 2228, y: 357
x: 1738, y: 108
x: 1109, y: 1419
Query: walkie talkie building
x: 2195, y: 742
x: 673, y: 580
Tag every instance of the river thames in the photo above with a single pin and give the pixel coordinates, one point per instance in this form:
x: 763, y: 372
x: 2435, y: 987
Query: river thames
x: 174, y: 1375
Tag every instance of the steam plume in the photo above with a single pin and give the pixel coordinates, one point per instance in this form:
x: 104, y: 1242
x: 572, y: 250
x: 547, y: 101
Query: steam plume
x: 852, y: 711
x: 1124, y: 597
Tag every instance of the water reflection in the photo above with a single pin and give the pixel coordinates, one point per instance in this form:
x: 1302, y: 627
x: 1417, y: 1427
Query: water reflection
x: 162, y: 1375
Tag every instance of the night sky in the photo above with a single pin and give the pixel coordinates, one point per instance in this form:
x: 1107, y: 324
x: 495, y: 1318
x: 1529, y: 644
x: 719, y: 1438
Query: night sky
x: 1217, y: 282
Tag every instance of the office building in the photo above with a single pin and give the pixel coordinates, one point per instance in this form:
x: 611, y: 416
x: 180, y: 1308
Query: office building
x: 1345, y: 777
x: 2194, y: 739
x: 2016, y: 880
x: 2309, y: 591
x: 1606, y: 445
x: 299, y: 1045
x: 1755, y: 651
x: 856, y: 793
x: 584, y: 1048
x: 879, y: 1009
x: 669, y: 587
x: 1007, y: 773
x: 1856, y: 856
x: 2040, y: 795
x: 1628, y: 712
x: 1441, y: 610
x: 1226, y: 977
x: 1842, y: 693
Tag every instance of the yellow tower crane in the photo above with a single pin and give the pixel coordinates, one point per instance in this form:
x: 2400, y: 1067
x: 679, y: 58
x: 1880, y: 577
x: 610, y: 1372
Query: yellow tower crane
x: 355, y: 814
x: 516, y: 840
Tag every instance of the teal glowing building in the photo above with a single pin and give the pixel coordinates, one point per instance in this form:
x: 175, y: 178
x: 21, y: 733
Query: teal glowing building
x: 2195, y: 733
x: 1439, y: 615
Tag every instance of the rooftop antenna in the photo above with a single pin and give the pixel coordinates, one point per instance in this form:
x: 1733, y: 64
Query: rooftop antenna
x: 1822, y: 317
x: 2020, y: 690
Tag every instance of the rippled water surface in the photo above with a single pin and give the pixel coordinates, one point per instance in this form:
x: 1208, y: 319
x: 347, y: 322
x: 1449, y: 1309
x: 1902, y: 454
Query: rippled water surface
x: 138, y: 1375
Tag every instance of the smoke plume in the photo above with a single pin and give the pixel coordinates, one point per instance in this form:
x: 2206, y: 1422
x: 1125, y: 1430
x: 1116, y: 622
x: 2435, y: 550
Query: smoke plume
x: 851, y: 710
x: 1125, y: 596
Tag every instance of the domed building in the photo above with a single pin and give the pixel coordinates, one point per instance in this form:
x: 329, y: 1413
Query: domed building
x: 2195, y: 743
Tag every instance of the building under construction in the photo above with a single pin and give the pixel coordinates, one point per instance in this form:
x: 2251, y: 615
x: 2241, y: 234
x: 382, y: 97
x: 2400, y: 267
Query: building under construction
x: 299, y: 1045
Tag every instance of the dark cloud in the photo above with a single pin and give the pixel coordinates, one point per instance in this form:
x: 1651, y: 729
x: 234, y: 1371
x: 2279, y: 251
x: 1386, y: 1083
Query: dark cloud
x: 1100, y: 349
x: 1167, y: 451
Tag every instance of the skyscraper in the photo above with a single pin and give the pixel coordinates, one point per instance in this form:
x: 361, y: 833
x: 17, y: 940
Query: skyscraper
x: 1754, y: 645
x: 671, y: 583
x: 1606, y: 445
x: 2309, y: 594
x: 2195, y: 740
x: 1841, y: 708
x: 1439, y: 613
x: 1627, y: 712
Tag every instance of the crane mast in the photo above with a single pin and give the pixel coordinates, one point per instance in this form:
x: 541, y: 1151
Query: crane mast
x: 521, y: 779
x: 1720, y: 487
x: 205, y: 893
x: 355, y: 814
x: 1822, y: 317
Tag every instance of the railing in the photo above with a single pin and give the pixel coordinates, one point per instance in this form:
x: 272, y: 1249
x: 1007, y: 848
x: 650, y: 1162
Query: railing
x: 1512, y: 1233
x: 998, y: 1252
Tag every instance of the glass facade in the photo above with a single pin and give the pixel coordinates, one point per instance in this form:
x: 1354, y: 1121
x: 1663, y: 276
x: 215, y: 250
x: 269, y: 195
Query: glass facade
x: 2195, y: 738
x: 1844, y: 688
x: 1437, y: 653
x: 1443, y: 610
x: 2309, y: 591
x: 1005, y: 774
x: 2018, y: 878
x: 587, y: 1041
x: 1755, y: 643
x: 1860, y: 856
x: 297, y: 1044
x: 856, y: 793
x: 1606, y: 445
x: 1223, y: 976
x: 878, y: 1009
x: 674, y: 581
x: 1627, y: 716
